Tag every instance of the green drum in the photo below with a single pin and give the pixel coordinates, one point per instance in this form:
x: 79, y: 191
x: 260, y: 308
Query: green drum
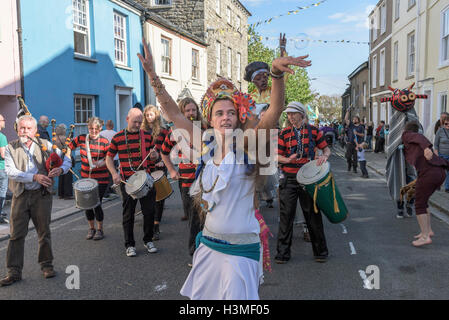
x: 320, y: 184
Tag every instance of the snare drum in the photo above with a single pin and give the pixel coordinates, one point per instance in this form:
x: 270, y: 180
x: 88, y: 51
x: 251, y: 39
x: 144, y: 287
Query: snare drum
x: 86, y: 194
x: 139, y: 184
x: 162, y: 186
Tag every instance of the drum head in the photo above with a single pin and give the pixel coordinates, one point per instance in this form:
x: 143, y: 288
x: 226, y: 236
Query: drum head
x: 136, y: 182
x: 85, y: 184
x: 311, y: 173
x: 157, y: 174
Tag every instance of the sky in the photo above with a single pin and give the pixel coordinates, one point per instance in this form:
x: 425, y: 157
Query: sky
x: 331, y: 20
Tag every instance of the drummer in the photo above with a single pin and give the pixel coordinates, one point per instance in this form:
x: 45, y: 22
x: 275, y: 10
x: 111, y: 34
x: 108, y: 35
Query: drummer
x: 186, y: 174
x: 93, y: 148
x: 294, y: 150
x: 153, y: 124
x: 133, y: 145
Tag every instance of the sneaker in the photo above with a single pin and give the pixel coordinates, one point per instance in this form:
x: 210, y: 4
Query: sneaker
x: 320, y: 259
x: 400, y: 215
x: 131, y: 252
x: 150, y: 247
x: 3, y: 220
x: 90, y: 234
x: 99, y: 235
x: 281, y: 259
x: 409, y: 211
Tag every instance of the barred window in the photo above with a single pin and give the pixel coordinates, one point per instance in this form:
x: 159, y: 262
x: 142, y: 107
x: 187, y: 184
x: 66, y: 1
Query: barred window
x: 84, y: 107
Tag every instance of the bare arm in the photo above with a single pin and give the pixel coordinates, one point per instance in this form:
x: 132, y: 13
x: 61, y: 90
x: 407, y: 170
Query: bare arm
x: 2, y: 152
x: 174, y: 174
x: 112, y: 170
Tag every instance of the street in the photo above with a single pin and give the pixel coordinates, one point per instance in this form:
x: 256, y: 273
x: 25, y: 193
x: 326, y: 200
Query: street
x: 370, y: 236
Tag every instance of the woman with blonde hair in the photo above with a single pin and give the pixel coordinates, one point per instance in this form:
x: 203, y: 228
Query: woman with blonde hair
x: 227, y: 262
x: 93, y: 148
x: 152, y: 123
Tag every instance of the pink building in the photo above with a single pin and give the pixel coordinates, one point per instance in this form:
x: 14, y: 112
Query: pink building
x: 9, y: 65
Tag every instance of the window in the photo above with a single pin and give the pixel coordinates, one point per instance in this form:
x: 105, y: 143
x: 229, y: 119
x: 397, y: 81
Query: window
x: 228, y: 15
x: 442, y: 102
x: 445, y: 37
x: 373, y: 29
x: 195, y: 64
x: 397, y: 8
x: 239, y: 66
x: 218, y: 57
x: 120, y: 39
x: 238, y: 23
x: 162, y: 2
x: 218, y: 6
x: 80, y: 10
x: 411, y: 54
x: 374, y: 72
x: 411, y: 3
x: 382, y: 68
x: 229, y: 69
x: 364, y: 94
x: 383, y: 18
x: 166, y: 55
x: 395, y: 60
x: 84, y: 107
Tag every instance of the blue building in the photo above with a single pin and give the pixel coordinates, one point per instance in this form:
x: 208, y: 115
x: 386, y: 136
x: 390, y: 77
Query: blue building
x: 80, y: 59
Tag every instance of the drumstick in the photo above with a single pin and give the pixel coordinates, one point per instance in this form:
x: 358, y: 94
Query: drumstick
x: 125, y: 183
x: 145, y: 158
x: 74, y: 174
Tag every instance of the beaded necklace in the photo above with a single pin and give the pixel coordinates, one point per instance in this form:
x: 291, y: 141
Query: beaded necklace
x: 300, y: 144
x: 129, y: 153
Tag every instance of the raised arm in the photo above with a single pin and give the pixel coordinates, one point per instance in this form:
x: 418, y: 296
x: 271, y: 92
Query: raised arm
x: 169, y: 107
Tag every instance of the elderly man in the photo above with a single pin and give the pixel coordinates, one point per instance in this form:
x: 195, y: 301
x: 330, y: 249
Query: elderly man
x: 132, y: 145
x: 296, y: 146
x: 42, y: 128
x: 31, y: 184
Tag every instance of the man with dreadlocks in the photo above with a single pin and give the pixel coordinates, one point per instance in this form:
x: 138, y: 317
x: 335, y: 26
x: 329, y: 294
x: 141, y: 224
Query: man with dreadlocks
x: 227, y: 261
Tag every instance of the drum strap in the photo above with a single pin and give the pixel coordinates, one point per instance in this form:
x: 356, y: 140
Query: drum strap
x: 144, y: 150
x: 318, y: 186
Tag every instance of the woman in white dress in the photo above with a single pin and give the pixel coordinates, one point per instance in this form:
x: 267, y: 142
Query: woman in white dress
x: 227, y: 263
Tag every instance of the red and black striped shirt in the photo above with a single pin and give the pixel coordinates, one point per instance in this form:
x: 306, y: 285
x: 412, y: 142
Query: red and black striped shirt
x: 287, y: 145
x: 186, y: 169
x: 98, y: 151
x: 129, y: 151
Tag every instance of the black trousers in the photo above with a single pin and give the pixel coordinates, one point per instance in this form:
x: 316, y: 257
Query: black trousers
x: 380, y: 145
x: 65, y: 188
x: 97, y: 212
x: 147, y: 205
x: 351, y: 155
x: 194, y: 218
x: 159, y: 209
x: 289, y: 191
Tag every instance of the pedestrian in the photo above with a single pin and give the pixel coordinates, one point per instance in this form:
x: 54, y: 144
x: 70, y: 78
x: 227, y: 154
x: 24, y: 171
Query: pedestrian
x: 3, y: 175
x: 42, y: 128
x: 109, y: 133
x: 369, y: 136
x: 380, y: 138
x: 441, y: 146
x: 186, y: 173
x: 355, y: 134
x: 226, y: 264
x: 361, y: 148
x: 431, y: 174
x: 65, y: 181
x: 133, y: 145
x: 31, y: 184
x: 296, y: 147
x: 93, y: 149
x: 152, y: 123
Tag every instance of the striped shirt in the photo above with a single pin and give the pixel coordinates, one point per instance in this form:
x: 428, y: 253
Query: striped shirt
x: 288, y: 145
x: 186, y: 169
x: 129, y: 151
x: 98, y: 150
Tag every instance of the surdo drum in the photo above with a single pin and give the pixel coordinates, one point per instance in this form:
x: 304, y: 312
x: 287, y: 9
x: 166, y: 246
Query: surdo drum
x: 161, y: 184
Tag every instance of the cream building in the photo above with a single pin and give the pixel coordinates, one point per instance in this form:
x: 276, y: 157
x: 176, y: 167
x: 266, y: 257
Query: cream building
x: 420, y: 53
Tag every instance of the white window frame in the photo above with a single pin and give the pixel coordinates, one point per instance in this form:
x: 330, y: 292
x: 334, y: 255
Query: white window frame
x: 229, y: 64
x: 443, y: 98
x: 364, y: 94
x: 218, y: 57
x: 382, y: 68
x: 373, y: 28
x: 239, y: 66
x: 155, y: 3
x: 228, y: 15
x: 411, y: 56
x: 444, y: 37
x: 383, y: 18
x: 218, y: 7
x: 374, y: 72
x: 166, y: 59
x: 120, y: 39
x: 397, y: 9
x: 411, y: 3
x: 238, y: 22
x: 396, y: 61
x: 195, y: 64
x: 81, y: 28
x: 80, y: 125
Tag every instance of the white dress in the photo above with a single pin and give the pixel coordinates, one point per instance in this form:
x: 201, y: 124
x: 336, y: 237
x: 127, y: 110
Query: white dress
x: 215, y: 275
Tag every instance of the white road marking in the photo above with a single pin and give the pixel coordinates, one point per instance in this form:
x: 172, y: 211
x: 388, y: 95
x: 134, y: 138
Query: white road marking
x: 366, y: 282
x: 161, y: 287
x: 345, y: 231
x: 351, y: 246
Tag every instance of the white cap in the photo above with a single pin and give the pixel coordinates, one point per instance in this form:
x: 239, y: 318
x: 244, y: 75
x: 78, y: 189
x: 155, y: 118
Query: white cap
x: 296, y: 107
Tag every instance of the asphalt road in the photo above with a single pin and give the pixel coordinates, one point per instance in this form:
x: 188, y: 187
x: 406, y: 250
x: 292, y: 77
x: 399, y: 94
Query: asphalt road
x: 371, y: 236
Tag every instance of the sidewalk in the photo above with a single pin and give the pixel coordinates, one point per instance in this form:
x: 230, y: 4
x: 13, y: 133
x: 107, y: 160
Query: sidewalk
x: 60, y: 209
x: 378, y: 163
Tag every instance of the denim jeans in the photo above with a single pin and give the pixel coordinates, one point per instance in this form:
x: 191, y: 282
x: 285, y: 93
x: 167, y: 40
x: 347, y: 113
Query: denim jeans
x: 3, y: 189
x: 369, y: 140
x: 446, y: 182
